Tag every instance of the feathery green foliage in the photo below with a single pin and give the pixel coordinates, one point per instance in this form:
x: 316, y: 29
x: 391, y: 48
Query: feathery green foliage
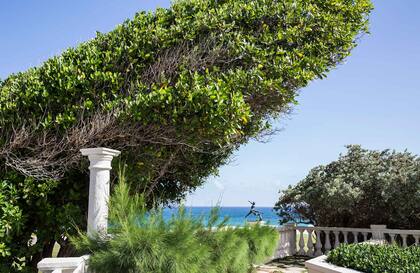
x: 141, y: 241
x: 371, y: 258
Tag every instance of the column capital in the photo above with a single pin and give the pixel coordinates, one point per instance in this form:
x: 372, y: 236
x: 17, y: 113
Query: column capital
x: 100, y: 158
x: 100, y: 151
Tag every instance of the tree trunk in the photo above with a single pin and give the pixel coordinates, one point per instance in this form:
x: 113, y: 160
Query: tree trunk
x: 46, y: 252
x: 66, y: 249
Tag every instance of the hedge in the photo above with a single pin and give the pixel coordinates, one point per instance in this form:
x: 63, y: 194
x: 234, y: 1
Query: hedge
x: 370, y: 258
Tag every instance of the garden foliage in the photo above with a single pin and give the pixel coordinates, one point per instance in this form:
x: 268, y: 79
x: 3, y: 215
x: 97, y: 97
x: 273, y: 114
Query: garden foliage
x: 177, y: 90
x: 361, y: 188
x: 142, y: 241
x: 370, y: 258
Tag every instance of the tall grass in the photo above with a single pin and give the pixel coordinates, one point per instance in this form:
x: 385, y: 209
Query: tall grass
x: 142, y: 242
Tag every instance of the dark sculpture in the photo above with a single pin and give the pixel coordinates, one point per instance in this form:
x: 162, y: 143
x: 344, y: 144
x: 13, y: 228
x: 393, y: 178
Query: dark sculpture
x: 253, y: 211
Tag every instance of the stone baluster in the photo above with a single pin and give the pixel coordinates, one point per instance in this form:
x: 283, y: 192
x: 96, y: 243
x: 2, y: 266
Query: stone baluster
x: 327, y: 242
x: 345, y: 234
x: 310, y: 243
x: 318, y: 244
x: 404, y: 240
x: 336, y: 238
x: 356, y: 237
x: 292, y: 233
x: 392, y: 238
x: 416, y: 239
x: 301, y: 243
x: 292, y: 239
x: 365, y: 236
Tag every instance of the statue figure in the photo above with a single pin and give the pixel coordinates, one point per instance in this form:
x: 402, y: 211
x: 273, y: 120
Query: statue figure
x: 253, y: 211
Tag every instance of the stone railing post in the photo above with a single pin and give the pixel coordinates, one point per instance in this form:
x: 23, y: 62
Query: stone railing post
x: 287, y: 242
x: 100, y: 166
x: 378, y: 232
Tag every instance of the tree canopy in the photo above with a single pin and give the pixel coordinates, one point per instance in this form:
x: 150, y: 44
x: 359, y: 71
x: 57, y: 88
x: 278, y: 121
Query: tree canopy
x: 177, y: 90
x: 361, y: 188
x: 182, y: 82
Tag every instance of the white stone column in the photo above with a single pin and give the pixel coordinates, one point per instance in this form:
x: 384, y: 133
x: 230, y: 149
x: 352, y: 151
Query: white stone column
x: 100, y: 166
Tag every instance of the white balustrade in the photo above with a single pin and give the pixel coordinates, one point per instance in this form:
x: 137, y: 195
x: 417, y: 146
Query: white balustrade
x: 402, y: 237
x: 315, y: 241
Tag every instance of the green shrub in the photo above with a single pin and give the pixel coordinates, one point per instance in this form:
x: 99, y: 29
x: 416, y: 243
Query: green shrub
x: 360, y: 188
x: 371, y: 258
x: 142, y: 241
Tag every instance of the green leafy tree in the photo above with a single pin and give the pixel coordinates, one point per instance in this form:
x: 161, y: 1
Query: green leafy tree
x: 361, y: 188
x: 177, y: 90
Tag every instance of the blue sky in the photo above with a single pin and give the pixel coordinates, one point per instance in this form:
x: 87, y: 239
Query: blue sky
x: 373, y: 99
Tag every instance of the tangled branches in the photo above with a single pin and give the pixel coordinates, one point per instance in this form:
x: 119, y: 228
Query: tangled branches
x: 48, y: 155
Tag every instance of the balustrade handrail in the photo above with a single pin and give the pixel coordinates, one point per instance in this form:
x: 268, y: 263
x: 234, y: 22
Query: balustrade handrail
x: 334, y: 229
x: 402, y: 231
x: 383, y: 230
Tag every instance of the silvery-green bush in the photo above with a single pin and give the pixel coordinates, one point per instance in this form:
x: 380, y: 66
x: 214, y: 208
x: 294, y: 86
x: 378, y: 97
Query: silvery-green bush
x: 360, y: 188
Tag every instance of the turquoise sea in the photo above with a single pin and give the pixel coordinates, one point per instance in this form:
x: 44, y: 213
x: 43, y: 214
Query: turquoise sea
x: 236, y: 215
